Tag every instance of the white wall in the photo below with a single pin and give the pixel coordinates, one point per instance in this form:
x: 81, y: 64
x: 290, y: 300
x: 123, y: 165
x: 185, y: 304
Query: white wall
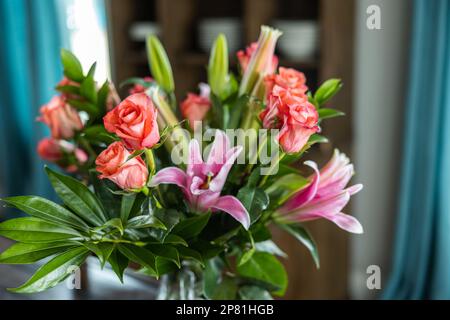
x: 380, y: 75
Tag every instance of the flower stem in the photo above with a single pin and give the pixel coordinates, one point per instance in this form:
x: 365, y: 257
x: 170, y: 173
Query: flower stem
x: 272, y: 168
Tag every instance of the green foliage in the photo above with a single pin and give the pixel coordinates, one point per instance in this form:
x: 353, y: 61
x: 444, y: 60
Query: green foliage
x: 266, y: 268
x: 302, y: 235
x: 327, y: 91
x: 72, y: 66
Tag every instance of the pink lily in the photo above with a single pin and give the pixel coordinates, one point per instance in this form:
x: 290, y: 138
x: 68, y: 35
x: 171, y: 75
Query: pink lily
x: 325, y: 195
x: 202, y: 182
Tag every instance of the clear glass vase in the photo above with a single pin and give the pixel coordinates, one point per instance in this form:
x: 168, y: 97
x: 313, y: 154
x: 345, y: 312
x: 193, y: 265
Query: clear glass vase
x: 183, y: 284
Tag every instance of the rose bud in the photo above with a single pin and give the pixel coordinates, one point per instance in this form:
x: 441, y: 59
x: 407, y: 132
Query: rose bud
x: 134, y: 121
x: 195, y: 107
x: 56, y: 151
x: 113, y: 165
x: 62, y: 119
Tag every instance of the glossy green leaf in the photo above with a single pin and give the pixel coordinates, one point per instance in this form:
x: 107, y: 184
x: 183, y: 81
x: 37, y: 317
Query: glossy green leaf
x: 254, y: 199
x: 270, y: 247
x: 54, y: 271
x: 212, y: 276
x: 160, y: 64
x: 165, y: 251
x: 115, y: 223
x: 254, y: 293
x: 126, y: 206
x: 302, y: 235
x: 266, y: 268
x: 72, y: 66
x: 24, y: 253
x: 191, y: 227
x: 325, y: 113
x: 74, y: 90
x: 147, y: 221
x: 33, y: 230
x: 85, y: 106
x: 110, y: 201
x: 140, y: 255
x: 174, y: 239
x: 190, y: 254
x: 88, y: 89
x: 118, y: 263
x: 77, y: 197
x: 226, y: 289
x: 46, y: 210
x: 327, y: 90
x: 102, y: 97
x: 102, y: 250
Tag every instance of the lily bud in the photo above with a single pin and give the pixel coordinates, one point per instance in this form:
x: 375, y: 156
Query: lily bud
x: 218, y: 67
x: 261, y: 63
x: 160, y: 64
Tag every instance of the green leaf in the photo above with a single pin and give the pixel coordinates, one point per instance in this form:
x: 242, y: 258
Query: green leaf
x: 302, y: 235
x: 254, y: 293
x: 266, y: 268
x: 88, y: 107
x: 160, y: 64
x: 165, y: 251
x: 102, y: 97
x: 33, y: 230
x: 97, y: 134
x: 126, y: 206
x: 174, y: 239
x: 163, y: 266
x: 102, y: 250
x: 212, y: 276
x: 88, y: 89
x: 190, y: 254
x: 191, y: 227
x: 115, y: 223
x: 110, y: 201
x: 226, y: 289
x: 255, y: 200
x: 77, y: 197
x: 329, y: 113
x: 118, y: 263
x: 74, y: 90
x: 327, y: 90
x: 139, y: 255
x: 54, y: 271
x: 270, y: 247
x: 47, y: 210
x: 24, y: 253
x: 282, y: 188
x: 72, y: 66
x: 146, y: 221
x: 218, y: 66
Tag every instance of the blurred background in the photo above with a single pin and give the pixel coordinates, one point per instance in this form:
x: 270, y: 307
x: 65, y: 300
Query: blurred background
x: 393, y: 57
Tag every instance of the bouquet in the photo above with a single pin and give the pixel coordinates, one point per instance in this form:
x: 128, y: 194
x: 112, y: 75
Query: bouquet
x: 186, y: 193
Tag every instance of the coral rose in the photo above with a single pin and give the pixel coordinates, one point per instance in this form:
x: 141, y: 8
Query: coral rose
x: 62, y: 119
x: 113, y: 165
x: 195, y: 107
x: 287, y: 78
x: 134, y: 121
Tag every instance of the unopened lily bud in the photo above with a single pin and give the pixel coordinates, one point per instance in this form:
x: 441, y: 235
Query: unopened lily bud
x: 160, y: 64
x: 218, y: 67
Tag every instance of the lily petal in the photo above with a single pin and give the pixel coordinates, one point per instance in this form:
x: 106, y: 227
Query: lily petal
x: 235, y: 208
x: 324, y: 206
x: 347, y: 222
x: 195, y: 161
x: 171, y: 175
x: 354, y: 189
x: 219, y: 149
x: 305, y: 195
x: 218, y: 182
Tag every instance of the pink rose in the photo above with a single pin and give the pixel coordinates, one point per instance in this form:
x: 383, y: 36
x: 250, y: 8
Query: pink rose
x: 195, y: 107
x: 56, y: 151
x: 62, y: 119
x: 245, y: 56
x: 287, y: 78
x: 134, y: 121
x: 49, y: 150
x: 113, y: 165
x: 295, y: 117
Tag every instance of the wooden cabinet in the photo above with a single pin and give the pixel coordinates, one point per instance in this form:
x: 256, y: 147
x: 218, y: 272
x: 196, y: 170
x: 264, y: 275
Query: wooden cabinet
x: 178, y: 21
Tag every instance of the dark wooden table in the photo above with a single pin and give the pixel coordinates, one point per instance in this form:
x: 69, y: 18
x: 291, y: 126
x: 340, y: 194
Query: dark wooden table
x: 100, y: 285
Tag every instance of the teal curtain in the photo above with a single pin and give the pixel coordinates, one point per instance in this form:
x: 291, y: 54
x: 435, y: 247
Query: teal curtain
x: 29, y: 69
x: 421, y: 266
